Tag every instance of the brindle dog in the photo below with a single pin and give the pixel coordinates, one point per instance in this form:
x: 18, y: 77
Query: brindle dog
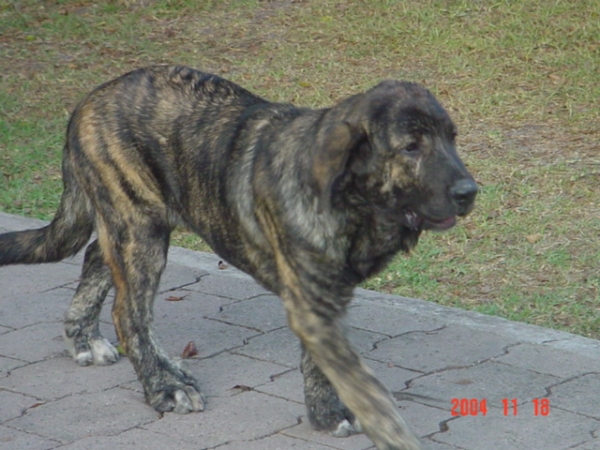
x: 309, y: 202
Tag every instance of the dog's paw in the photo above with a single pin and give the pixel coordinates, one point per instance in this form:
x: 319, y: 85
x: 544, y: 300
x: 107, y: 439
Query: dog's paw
x: 176, y: 391
x: 87, y: 351
x: 345, y: 428
x: 178, y: 399
x: 333, y: 417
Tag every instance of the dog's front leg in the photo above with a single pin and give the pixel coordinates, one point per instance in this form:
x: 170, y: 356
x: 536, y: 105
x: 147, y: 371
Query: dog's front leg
x: 357, y: 386
x: 312, y: 314
x: 323, y: 405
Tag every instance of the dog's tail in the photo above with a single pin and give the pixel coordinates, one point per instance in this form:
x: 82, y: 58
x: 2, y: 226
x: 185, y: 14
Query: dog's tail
x: 68, y: 232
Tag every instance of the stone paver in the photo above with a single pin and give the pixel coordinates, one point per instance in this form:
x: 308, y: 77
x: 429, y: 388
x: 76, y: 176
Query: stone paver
x: 574, y: 395
x: 11, y: 439
x: 247, y: 364
x: 498, y: 431
x: 491, y: 381
x: 430, y: 351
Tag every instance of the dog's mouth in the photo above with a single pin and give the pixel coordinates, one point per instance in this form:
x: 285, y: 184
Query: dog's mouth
x: 418, y: 222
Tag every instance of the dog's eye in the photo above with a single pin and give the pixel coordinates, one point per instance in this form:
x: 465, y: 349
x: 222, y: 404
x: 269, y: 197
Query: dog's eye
x: 411, y: 149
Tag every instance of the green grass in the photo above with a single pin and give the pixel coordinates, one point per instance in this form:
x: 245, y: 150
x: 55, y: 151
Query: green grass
x: 520, y: 78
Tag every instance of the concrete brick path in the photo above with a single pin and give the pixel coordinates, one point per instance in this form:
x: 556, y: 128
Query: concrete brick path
x: 247, y: 365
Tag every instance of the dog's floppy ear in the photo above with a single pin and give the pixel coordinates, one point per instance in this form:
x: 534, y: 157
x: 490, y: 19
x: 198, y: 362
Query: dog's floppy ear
x: 334, y: 146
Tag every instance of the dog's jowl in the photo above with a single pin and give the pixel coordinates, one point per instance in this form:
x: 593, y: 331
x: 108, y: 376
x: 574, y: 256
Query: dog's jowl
x: 309, y: 202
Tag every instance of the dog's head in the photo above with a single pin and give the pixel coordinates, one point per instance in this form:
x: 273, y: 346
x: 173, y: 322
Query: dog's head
x: 394, y: 145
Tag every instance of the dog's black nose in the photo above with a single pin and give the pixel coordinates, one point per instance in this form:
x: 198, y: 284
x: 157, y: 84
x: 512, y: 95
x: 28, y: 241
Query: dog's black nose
x: 463, y: 192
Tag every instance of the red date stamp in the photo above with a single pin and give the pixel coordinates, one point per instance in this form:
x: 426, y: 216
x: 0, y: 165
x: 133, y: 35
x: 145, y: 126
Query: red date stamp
x: 468, y: 407
x: 510, y: 407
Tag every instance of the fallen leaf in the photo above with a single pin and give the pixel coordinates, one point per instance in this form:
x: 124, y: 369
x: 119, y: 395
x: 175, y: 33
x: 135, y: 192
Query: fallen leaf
x: 533, y: 238
x: 241, y: 387
x: 190, y: 350
x: 174, y: 298
x: 35, y: 405
x: 275, y: 376
x: 555, y: 78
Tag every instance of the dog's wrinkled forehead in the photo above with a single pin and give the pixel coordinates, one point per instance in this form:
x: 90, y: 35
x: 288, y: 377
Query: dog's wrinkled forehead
x: 409, y: 106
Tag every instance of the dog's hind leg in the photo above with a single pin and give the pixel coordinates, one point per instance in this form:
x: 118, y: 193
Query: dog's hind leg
x: 82, y: 333
x: 135, y: 248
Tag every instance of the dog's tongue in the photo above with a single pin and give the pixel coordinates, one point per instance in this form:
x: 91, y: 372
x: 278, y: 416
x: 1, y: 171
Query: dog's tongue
x: 417, y: 222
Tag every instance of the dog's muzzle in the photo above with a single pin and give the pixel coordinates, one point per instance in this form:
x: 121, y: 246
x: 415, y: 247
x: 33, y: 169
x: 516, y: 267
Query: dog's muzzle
x: 462, y: 194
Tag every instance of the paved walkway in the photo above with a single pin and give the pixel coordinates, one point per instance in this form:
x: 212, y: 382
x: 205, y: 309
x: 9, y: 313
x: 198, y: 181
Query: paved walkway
x: 541, y: 388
